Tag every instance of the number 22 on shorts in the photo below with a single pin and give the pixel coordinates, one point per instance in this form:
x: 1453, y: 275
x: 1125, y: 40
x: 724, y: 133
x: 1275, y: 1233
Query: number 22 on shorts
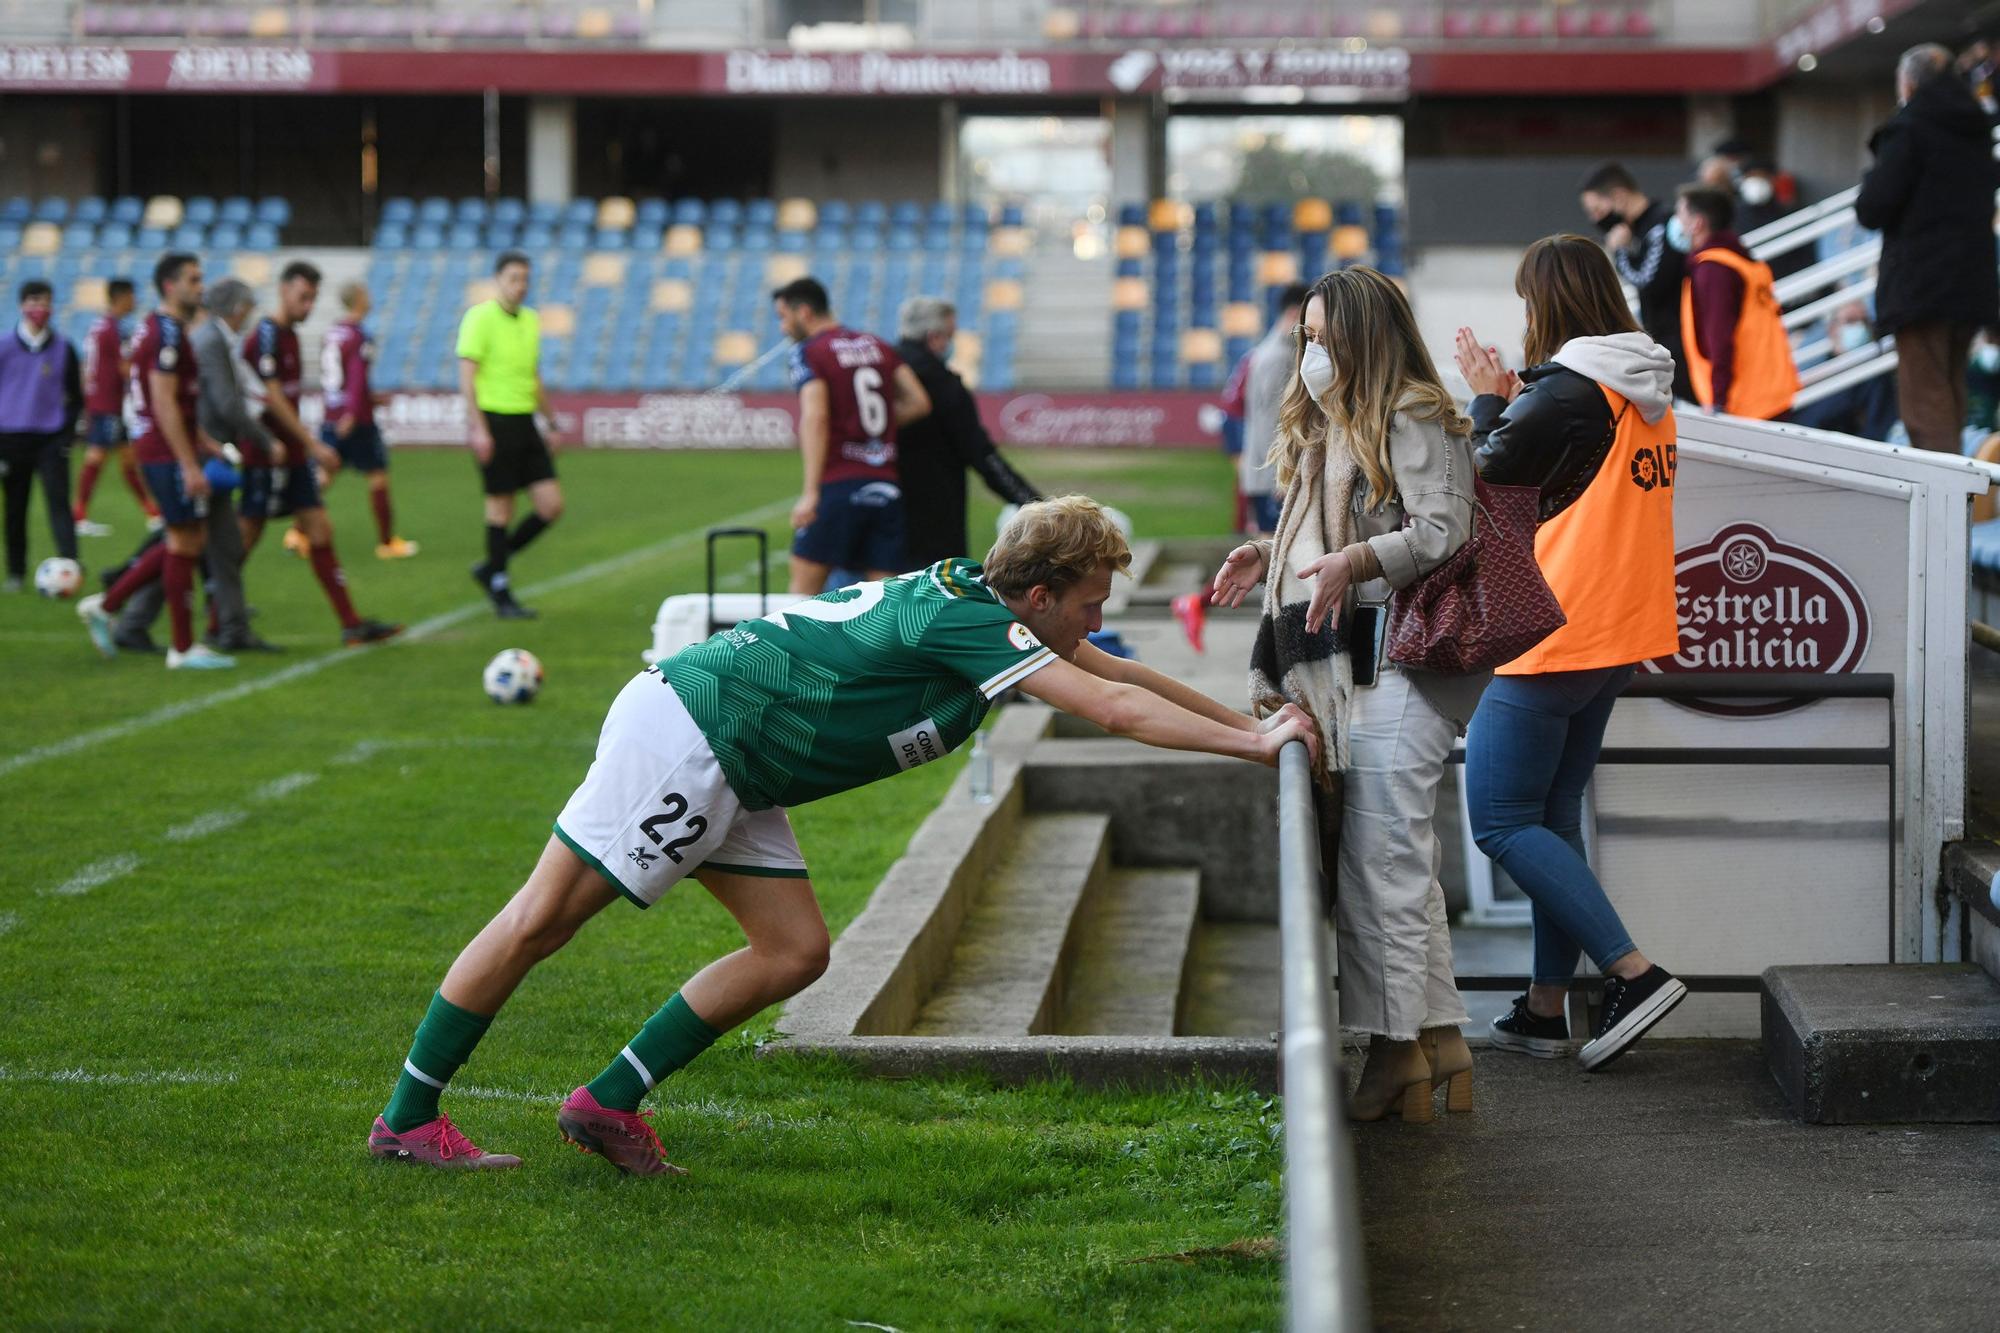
x: 676, y: 806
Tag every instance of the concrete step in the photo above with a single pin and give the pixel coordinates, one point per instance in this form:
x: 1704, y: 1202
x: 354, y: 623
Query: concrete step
x: 1011, y: 962
x: 1131, y: 952
x: 1871, y: 1044
x: 1232, y: 987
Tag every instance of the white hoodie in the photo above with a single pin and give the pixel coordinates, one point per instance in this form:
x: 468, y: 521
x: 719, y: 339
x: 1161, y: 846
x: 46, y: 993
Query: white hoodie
x: 1631, y: 365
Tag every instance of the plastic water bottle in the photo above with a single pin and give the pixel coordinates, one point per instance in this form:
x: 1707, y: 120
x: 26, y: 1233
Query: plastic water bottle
x: 980, y: 769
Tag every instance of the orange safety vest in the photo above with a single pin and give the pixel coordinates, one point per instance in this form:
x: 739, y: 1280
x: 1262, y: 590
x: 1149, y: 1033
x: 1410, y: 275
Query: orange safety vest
x: 1766, y: 378
x: 1609, y: 557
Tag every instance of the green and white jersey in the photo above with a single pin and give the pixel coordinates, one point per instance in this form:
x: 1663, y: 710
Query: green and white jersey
x: 854, y: 685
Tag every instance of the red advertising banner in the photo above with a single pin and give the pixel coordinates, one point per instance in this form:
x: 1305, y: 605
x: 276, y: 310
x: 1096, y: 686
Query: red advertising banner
x: 1326, y: 71
x: 770, y: 421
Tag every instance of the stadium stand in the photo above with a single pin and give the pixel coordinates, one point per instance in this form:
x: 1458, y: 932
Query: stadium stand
x: 643, y: 294
x: 76, y: 245
x: 1203, y: 274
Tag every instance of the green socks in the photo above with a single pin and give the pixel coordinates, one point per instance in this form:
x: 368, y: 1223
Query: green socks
x: 444, y: 1042
x: 670, y: 1039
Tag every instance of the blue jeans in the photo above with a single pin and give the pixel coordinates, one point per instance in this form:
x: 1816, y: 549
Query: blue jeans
x: 1528, y: 756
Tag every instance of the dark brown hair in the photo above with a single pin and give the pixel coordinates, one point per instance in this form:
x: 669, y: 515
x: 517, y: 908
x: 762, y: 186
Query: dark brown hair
x: 1705, y: 201
x: 1572, y: 292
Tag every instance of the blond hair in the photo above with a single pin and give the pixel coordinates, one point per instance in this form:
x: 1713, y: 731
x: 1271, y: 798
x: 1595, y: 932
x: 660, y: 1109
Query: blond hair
x: 1380, y: 368
x: 350, y: 293
x: 1054, y: 544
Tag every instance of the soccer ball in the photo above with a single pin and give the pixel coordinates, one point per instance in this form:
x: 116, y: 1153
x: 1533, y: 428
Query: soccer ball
x: 58, y: 576
x: 513, y: 677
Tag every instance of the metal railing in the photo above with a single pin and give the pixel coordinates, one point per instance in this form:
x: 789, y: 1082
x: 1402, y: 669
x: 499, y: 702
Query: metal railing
x: 1325, y: 1282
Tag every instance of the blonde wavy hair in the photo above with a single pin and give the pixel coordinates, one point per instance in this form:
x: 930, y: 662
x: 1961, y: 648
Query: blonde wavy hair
x: 1380, y: 368
x: 1054, y: 543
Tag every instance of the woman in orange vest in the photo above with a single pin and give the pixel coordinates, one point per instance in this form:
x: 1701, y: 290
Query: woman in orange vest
x: 1591, y: 423
x: 1739, y: 357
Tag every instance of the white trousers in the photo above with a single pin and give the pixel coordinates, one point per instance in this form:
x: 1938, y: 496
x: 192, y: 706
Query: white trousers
x: 1394, y: 940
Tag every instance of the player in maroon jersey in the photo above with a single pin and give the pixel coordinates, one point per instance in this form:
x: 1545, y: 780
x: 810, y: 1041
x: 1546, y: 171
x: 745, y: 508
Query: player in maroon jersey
x: 853, y: 392
x: 287, y: 484
x: 104, y: 373
x: 167, y: 436
x: 349, y: 428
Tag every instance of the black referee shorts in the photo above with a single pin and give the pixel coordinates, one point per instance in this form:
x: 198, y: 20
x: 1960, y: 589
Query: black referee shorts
x: 520, y: 456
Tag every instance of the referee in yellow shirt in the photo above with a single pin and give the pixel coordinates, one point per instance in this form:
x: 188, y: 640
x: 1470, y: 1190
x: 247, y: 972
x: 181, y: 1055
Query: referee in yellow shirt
x: 499, y: 374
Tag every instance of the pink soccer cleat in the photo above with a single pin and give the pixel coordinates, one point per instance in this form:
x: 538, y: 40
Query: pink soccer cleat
x: 437, y: 1143
x: 625, y: 1139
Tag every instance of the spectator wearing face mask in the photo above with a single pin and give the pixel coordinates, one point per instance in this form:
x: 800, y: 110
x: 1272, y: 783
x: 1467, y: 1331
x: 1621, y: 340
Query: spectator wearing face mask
x: 1634, y: 228
x: 41, y: 396
x: 1762, y: 195
x: 1732, y: 330
x: 1867, y: 409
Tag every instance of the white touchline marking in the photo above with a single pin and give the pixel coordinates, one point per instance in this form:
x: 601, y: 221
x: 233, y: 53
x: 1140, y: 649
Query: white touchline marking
x: 279, y: 788
x: 95, y: 874
x: 141, y: 1079
x: 423, y: 629
x: 215, y: 821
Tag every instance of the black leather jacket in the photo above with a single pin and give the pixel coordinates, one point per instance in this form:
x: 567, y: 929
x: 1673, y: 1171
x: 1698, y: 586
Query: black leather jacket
x: 1555, y: 435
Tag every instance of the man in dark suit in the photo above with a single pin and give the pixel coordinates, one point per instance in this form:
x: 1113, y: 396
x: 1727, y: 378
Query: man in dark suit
x: 934, y: 453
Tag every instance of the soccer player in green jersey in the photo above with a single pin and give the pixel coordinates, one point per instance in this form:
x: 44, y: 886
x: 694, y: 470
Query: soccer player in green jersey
x: 701, y: 754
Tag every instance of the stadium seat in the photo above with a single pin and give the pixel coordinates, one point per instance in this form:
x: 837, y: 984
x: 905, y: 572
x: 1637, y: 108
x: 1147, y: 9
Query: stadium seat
x: 463, y: 236
x: 198, y: 211
x: 761, y: 213
x: 835, y: 213
x: 274, y: 211
x: 470, y: 209
x: 616, y: 213
x: 126, y: 208
x: 91, y: 208
x: 225, y: 237
x: 52, y: 209
x: 434, y: 211
x: 111, y: 236
x: 78, y: 236
x: 163, y: 212
x: 508, y: 212
x: 240, y: 212
x: 427, y: 236
x: 652, y: 212
x: 579, y: 212
x: 725, y: 212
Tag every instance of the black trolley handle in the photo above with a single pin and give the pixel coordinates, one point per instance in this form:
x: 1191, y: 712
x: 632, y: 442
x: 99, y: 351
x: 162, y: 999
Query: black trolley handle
x: 763, y: 569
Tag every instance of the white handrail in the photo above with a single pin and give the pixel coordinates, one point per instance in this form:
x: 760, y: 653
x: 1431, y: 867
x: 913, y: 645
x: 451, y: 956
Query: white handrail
x: 1806, y: 280
x: 1833, y: 366
x: 1325, y: 1280
x: 1799, y: 316
x: 1860, y: 374
x: 1793, y: 221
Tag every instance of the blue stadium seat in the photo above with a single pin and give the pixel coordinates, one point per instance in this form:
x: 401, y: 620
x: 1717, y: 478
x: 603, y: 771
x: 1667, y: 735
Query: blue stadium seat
x: 275, y: 211
x: 903, y: 240
x: 871, y: 213
x: 547, y: 212
x: 427, y: 236
x: 938, y: 239
x: 463, y: 236
x: 652, y: 212
x: 689, y: 213
x: 471, y: 208
x: 720, y: 239
x: 91, y: 208
x: 399, y: 210
x: 835, y: 213
x: 262, y: 235
x: 906, y: 213
x: 573, y: 236
x: 1012, y: 215
x: 941, y: 215
x: 580, y: 211
x: 725, y: 212
x: 537, y: 236
x: 607, y: 239
x: 52, y: 209
x: 111, y: 236
x: 761, y: 213
x: 18, y: 209
x: 79, y: 236
x: 126, y: 208
x: 198, y: 211
x: 434, y: 211
x: 151, y: 238
x: 508, y: 212
x: 225, y: 236
x: 500, y: 235
x: 240, y: 212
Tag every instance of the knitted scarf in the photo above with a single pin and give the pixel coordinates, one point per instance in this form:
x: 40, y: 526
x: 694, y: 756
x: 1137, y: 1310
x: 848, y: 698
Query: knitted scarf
x: 1288, y: 665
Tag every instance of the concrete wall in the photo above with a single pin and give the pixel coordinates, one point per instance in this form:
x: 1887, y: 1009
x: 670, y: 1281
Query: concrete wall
x: 1822, y: 134
x: 858, y: 150
x: 53, y: 145
x: 1480, y: 201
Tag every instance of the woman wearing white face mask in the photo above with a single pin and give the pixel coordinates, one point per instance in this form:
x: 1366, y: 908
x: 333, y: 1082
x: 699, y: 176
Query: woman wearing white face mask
x: 1376, y: 467
x: 1868, y: 409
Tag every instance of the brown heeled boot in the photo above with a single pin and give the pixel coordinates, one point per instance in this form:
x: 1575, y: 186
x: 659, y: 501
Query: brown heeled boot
x: 1450, y: 1060
x: 1396, y: 1078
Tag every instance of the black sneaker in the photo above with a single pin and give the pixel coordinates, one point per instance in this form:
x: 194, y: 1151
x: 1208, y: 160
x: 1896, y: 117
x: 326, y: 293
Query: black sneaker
x: 369, y: 631
x: 483, y: 577
x: 505, y: 607
x: 1529, y: 1033
x: 1630, y: 1007
x: 245, y: 642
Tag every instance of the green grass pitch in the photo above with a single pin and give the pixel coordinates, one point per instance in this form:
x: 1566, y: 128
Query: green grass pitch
x: 227, y: 897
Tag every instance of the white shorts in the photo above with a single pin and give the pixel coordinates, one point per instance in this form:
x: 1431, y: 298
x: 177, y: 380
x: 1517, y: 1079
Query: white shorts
x: 655, y: 804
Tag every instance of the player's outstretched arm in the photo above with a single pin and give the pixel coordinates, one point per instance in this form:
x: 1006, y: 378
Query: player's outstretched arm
x: 1136, y: 712
x: 1128, y: 671
x: 913, y: 401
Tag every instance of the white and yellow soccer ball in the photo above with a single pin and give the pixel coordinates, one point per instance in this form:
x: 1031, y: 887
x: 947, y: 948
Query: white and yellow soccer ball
x: 513, y: 677
x: 58, y: 576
